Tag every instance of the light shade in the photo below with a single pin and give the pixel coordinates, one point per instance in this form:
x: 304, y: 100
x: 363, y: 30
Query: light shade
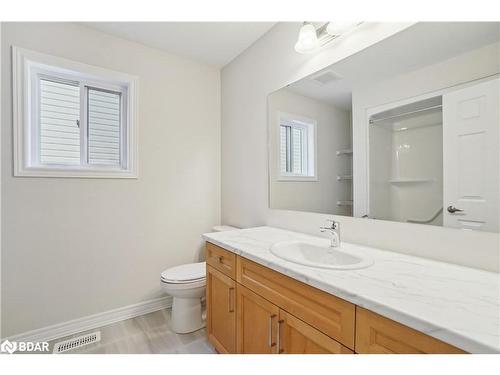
x: 336, y: 28
x: 308, y: 39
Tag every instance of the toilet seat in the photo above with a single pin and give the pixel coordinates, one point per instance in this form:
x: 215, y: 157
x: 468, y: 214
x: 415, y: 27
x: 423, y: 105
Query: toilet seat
x: 192, y: 273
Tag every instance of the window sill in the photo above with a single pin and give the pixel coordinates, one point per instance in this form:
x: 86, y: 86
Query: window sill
x: 74, y: 172
x: 297, y: 179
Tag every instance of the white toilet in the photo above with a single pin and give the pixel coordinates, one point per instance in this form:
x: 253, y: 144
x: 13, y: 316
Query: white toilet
x: 186, y: 284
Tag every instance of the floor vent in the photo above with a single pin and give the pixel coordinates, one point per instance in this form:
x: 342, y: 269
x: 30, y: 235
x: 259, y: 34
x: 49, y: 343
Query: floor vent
x: 77, y: 342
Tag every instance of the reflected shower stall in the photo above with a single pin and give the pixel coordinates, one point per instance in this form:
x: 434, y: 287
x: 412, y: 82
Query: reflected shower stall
x: 406, y: 163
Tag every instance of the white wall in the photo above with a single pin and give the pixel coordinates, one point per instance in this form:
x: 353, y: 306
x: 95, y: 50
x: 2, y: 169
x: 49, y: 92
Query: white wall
x: 332, y: 133
x: 75, y: 247
x: 268, y: 65
x: 1, y: 110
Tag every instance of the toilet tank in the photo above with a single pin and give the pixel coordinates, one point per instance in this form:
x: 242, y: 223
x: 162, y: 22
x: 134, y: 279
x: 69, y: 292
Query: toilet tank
x: 223, y: 228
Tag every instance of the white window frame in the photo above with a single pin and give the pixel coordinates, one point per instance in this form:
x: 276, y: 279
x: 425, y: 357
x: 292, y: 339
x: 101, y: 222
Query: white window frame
x: 309, y: 148
x: 27, y: 67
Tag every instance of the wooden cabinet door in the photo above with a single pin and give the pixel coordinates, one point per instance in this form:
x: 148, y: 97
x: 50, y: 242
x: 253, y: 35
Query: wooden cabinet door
x: 221, y: 314
x: 297, y: 337
x: 257, y: 323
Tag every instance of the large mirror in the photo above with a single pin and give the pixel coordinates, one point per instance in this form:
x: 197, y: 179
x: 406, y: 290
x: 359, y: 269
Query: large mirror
x: 406, y: 130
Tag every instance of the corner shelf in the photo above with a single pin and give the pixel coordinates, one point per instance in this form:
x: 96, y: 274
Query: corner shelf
x: 347, y: 151
x: 344, y: 203
x: 344, y: 177
x: 401, y: 181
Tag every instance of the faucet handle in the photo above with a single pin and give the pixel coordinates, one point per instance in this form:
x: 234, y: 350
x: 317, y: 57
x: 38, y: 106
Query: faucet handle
x: 335, y: 224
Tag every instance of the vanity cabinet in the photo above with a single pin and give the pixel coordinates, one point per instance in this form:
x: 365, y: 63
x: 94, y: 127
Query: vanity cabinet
x: 326, y: 313
x: 264, y: 328
x: 253, y: 309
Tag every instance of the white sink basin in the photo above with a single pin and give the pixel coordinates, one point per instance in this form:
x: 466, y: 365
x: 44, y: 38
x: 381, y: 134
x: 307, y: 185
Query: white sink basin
x: 312, y: 255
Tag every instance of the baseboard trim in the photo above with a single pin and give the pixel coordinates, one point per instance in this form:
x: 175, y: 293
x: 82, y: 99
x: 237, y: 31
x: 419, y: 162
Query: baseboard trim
x: 71, y: 327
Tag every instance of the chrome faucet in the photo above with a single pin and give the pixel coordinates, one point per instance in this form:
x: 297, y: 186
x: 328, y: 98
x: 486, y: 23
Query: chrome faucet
x: 334, y: 230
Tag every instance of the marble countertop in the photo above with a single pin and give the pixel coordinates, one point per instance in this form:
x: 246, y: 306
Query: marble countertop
x: 455, y: 304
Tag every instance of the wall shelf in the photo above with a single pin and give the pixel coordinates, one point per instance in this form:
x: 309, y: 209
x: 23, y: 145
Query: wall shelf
x: 347, y: 151
x: 344, y: 177
x: 402, y: 181
x: 344, y: 203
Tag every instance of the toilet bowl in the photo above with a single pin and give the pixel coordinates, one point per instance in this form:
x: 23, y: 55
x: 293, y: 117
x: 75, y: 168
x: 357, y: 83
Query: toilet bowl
x: 186, y: 284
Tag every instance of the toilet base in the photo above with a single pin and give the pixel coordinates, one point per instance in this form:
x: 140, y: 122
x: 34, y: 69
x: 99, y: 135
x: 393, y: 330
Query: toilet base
x: 186, y: 315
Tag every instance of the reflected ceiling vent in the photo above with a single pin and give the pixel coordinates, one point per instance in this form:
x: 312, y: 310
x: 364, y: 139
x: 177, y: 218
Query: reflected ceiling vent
x: 325, y: 77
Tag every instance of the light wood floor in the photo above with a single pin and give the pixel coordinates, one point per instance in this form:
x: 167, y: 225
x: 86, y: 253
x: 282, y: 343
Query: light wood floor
x: 146, y: 334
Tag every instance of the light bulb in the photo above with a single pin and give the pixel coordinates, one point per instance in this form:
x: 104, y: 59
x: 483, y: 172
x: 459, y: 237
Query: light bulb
x: 308, y: 39
x: 336, y: 28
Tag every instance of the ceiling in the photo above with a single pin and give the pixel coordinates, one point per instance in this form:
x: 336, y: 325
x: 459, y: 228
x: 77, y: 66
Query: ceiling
x: 214, y: 43
x: 414, y: 48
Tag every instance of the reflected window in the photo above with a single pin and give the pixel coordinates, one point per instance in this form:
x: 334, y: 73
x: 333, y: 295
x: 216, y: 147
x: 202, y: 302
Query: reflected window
x: 297, y: 142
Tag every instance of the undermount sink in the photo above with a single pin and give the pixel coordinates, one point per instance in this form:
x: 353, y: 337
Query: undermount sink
x: 318, y: 256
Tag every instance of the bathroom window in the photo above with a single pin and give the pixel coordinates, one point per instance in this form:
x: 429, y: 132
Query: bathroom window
x: 297, y: 141
x: 71, y: 119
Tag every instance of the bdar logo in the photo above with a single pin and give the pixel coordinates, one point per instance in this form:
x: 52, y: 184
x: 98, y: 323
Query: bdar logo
x: 8, y: 347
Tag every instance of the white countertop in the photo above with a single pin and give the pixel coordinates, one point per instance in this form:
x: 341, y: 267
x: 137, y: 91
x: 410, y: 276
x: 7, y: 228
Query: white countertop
x: 455, y: 304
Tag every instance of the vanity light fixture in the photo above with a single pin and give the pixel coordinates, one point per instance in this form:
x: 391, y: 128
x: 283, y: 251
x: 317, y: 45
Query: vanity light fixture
x: 314, y: 35
x: 336, y: 28
x: 308, y: 39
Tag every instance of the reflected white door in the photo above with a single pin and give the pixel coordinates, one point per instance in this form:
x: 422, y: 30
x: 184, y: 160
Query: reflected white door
x: 471, y: 157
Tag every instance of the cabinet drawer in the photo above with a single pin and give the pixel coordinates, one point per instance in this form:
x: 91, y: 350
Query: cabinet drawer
x: 329, y: 314
x: 221, y: 259
x: 297, y: 337
x: 379, y: 335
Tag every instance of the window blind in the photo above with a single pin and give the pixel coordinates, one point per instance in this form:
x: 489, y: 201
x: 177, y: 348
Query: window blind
x: 103, y: 127
x: 59, y: 128
x: 297, y: 150
x: 284, y: 156
x: 292, y: 148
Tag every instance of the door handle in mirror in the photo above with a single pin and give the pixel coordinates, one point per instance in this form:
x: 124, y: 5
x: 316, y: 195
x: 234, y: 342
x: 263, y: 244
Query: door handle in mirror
x: 452, y: 209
